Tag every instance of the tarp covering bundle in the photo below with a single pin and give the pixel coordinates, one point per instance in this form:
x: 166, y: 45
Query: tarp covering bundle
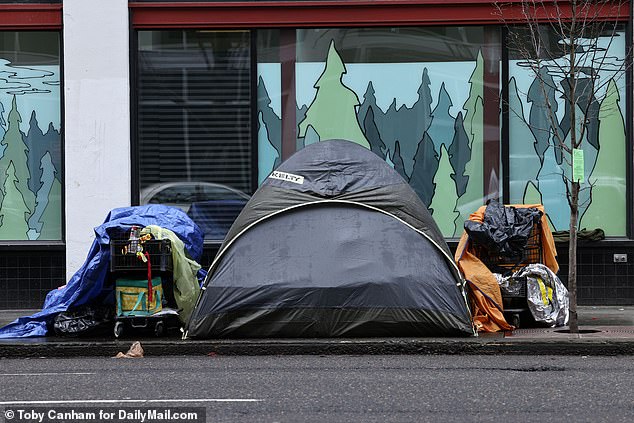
x: 484, y: 291
x: 186, y: 286
x: 334, y: 243
x: 547, y: 297
x: 86, y: 286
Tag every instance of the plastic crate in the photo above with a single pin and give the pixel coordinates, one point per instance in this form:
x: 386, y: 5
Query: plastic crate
x: 160, y: 252
x: 531, y: 254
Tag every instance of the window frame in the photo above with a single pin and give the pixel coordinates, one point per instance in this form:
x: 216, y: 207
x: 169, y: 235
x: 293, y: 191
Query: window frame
x: 25, y: 17
x: 278, y: 14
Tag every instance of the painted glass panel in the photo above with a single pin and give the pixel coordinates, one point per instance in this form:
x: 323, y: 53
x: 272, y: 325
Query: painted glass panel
x: 31, y: 173
x: 269, y: 102
x: 537, y: 167
x: 414, y: 96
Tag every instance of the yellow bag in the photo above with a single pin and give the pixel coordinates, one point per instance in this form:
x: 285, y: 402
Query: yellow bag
x: 133, y: 299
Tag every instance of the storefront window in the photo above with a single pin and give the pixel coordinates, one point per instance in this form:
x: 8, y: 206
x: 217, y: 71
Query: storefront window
x: 538, y: 166
x: 414, y: 96
x: 194, y: 124
x: 31, y: 172
x: 425, y: 99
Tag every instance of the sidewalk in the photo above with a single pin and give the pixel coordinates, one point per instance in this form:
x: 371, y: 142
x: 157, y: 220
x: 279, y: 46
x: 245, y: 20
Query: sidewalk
x: 605, y: 331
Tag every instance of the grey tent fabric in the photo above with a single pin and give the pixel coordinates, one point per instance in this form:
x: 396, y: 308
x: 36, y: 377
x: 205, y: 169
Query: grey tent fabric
x: 334, y: 243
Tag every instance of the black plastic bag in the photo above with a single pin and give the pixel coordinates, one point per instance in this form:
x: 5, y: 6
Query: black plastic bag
x: 505, y: 230
x: 87, y: 320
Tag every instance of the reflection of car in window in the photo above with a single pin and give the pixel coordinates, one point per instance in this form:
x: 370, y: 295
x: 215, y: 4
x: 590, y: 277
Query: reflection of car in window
x: 212, y: 206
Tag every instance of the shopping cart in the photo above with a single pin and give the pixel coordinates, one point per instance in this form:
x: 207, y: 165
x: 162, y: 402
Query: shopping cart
x: 142, y: 269
x: 514, y: 301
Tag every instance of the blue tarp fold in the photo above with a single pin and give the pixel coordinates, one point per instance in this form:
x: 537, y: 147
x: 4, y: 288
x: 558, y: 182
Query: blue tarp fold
x: 87, y: 284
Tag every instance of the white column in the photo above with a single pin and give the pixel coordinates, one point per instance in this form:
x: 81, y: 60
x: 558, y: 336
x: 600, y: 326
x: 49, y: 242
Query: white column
x: 96, y: 118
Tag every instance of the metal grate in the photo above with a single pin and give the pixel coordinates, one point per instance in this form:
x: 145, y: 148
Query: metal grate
x: 531, y: 254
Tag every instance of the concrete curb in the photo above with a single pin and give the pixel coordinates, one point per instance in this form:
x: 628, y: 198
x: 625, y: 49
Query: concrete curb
x: 417, y: 346
x: 608, y: 331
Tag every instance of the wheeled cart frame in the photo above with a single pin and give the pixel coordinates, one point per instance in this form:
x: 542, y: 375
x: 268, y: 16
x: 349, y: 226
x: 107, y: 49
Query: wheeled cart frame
x: 139, y: 307
x: 156, y: 323
x: 515, y: 305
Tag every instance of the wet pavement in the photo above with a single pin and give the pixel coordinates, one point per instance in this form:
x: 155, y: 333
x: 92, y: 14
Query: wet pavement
x: 603, y: 331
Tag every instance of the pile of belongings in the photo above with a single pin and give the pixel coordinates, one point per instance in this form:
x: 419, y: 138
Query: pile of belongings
x: 505, y: 230
x: 77, y: 306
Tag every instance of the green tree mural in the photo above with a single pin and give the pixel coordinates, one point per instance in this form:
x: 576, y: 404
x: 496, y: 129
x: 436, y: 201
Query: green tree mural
x: 311, y: 136
x: 333, y: 111
x: 443, y: 204
x: 16, y: 152
x: 541, y: 95
x: 407, y: 125
x: 397, y: 161
x: 267, y: 154
x: 273, y: 125
x: 377, y: 145
x: 588, y: 103
x: 473, y: 196
x: 608, y: 193
x: 36, y: 145
x: 532, y: 194
x: 13, y: 212
x: 442, y: 122
x: 369, y: 102
x: 410, y: 124
x: 52, y: 217
x: 472, y: 122
x: 45, y: 195
x: 460, y: 154
x: 524, y: 163
x: 300, y: 114
x: 425, y: 167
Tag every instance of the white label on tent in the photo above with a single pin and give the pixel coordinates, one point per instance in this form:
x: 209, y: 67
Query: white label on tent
x: 283, y: 176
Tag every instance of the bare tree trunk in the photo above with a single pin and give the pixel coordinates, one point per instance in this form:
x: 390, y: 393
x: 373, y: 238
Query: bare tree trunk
x: 575, y: 141
x: 572, y: 257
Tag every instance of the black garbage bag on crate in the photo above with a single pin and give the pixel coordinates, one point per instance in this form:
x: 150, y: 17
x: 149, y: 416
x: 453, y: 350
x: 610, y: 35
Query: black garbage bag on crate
x: 505, y: 230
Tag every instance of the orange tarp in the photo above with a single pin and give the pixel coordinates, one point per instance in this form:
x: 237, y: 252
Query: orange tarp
x: 484, y: 291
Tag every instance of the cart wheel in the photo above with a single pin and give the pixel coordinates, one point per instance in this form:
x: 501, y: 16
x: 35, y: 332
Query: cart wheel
x: 159, y: 329
x: 118, y: 329
x: 515, y: 320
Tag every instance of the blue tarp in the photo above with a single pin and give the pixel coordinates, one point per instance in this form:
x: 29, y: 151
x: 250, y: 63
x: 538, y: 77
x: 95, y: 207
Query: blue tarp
x: 87, y: 284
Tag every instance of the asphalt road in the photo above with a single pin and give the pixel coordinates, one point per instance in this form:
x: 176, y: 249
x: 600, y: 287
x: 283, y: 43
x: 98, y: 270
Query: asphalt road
x: 333, y: 388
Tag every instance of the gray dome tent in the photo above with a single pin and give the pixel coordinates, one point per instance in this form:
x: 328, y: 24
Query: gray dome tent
x: 334, y: 243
